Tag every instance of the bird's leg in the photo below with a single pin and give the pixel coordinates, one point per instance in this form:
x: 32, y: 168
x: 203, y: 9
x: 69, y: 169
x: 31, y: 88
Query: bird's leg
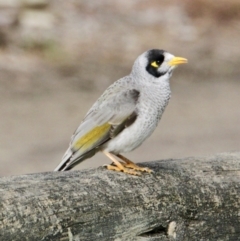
x: 130, y: 164
x: 119, y: 165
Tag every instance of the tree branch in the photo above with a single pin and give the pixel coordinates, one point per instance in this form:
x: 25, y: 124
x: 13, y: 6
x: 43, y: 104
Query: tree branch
x: 188, y: 199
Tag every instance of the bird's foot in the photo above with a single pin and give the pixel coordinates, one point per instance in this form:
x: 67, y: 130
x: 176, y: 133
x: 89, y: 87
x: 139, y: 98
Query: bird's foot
x: 129, y: 164
x: 137, y: 168
x: 122, y: 169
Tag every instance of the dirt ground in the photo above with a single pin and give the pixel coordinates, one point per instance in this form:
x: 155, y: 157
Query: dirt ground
x: 57, y: 57
x: 202, y: 118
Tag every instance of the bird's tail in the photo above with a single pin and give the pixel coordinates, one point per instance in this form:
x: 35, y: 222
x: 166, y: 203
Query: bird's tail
x: 69, y: 160
x: 65, y: 160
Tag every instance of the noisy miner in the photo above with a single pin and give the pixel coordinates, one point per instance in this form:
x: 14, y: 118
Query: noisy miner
x: 125, y: 115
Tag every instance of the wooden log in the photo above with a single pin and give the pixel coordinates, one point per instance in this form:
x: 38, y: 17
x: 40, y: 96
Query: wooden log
x: 186, y: 199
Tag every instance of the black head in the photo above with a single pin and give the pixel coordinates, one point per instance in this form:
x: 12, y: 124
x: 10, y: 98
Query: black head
x: 155, y: 58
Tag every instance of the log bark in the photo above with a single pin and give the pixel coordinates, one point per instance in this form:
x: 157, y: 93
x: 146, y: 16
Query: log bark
x: 186, y: 199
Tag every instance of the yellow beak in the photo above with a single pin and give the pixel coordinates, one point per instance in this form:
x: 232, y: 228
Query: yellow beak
x: 177, y: 60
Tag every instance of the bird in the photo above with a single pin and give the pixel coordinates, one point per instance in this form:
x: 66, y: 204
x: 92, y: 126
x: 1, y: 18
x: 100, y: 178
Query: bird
x: 125, y: 115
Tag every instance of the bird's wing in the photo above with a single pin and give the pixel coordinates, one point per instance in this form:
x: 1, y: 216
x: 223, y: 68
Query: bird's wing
x: 114, y: 111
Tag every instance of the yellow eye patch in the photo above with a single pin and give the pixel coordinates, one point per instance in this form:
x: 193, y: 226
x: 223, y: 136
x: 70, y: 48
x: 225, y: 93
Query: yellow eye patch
x: 155, y: 64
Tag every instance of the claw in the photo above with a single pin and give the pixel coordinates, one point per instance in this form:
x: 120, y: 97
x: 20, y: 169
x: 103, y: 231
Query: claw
x: 138, y: 168
x: 124, y: 165
x: 125, y: 170
x: 132, y: 165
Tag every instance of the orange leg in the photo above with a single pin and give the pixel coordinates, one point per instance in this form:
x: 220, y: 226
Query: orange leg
x: 130, y: 164
x: 119, y: 166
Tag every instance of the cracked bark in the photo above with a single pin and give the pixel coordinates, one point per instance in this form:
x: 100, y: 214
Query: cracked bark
x: 186, y: 199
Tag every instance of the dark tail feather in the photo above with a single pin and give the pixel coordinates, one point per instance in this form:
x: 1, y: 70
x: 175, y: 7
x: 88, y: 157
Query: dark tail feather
x: 68, y: 161
x: 63, y: 166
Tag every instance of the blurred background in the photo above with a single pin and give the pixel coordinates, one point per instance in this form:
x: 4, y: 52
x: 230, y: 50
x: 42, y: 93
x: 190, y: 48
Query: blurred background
x: 57, y: 57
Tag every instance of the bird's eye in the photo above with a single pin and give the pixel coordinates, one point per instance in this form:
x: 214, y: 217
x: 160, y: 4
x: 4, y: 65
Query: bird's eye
x: 155, y: 64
